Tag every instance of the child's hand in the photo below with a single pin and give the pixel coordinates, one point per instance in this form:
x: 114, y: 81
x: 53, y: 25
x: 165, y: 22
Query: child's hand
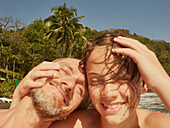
x: 149, y: 67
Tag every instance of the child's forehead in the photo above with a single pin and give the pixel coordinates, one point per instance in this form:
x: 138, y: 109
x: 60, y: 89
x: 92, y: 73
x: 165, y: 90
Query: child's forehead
x: 99, y: 53
x: 104, y: 62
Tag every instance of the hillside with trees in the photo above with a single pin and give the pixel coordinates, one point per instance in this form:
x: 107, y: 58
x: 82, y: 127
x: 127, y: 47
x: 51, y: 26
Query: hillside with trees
x: 59, y: 35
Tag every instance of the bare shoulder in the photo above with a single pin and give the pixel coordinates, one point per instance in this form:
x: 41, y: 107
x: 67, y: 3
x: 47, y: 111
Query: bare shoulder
x: 78, y: 119
x: 148, y: 119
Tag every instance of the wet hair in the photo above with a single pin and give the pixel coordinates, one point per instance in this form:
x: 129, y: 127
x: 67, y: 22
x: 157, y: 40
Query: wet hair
x: 125, y: 63
x: 125, y: 66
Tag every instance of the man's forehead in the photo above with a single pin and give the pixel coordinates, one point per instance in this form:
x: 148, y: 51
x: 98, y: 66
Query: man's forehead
x: 69, y: 64
x: 68, y: 61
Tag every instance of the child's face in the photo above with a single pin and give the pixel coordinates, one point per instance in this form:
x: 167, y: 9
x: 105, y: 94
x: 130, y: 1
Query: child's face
x: 115, y: 100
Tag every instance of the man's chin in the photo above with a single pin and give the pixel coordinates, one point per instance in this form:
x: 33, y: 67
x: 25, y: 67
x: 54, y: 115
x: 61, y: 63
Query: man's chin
x: 48, y: 107
x: 61, y: 115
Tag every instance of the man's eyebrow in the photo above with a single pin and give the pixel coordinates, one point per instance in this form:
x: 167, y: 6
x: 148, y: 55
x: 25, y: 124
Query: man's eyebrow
x: 72, y: 69
x: 67, y: 68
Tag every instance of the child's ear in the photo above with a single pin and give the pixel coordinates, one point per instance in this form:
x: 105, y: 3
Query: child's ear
x: 143, y: 88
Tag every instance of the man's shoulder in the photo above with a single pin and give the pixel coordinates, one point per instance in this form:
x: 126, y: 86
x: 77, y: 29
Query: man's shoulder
x: 153, y: 119
x: 79, y: 118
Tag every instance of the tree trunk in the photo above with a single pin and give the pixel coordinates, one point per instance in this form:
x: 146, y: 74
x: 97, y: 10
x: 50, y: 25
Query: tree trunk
x: 62, y: 50
x: 63, y: 46
x: 14, y: 68
x: 6, y: 68
x: 71, y: 48
x: 1, y: 49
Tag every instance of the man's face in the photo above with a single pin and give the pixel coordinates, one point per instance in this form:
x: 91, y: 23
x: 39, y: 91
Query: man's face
x: 62, y: 94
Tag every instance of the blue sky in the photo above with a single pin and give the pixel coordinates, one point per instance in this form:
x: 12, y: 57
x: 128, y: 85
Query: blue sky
x: 148, y: 18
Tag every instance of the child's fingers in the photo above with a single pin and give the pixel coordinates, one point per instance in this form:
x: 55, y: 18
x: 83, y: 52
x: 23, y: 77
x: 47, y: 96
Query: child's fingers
x: 129, y: 52
x: 130, y: 43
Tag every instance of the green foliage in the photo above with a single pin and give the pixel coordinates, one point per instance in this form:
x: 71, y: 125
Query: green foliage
x: 80, y: 43
x: 39, y: 49
x: 160, y: 48
x: 25, y: 48
x: 63, y: 26
x: 17, y: 75
x: 8, y: 88
x: 0, y: 28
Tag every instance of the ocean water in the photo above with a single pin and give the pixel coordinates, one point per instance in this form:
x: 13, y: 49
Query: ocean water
x: 152, y: 102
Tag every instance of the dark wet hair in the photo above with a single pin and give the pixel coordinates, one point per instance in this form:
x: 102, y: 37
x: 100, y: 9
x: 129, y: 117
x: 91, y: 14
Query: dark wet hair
x: 125, y: 66
x: 125, y: 63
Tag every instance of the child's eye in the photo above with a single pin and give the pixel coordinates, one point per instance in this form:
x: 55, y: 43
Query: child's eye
x: 94, y: 80
x: 97, y: 81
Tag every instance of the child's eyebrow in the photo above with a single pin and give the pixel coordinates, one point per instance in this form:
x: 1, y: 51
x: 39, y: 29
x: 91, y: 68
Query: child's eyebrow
x: 93, y: 73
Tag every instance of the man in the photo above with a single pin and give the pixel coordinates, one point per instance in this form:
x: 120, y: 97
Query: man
x: 62, y: 92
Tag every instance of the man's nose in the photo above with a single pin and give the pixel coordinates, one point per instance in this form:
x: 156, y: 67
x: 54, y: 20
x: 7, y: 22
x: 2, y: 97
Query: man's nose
x: 69, y: 84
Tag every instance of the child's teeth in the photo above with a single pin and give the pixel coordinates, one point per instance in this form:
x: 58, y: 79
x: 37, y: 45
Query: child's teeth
x: 112, y: 106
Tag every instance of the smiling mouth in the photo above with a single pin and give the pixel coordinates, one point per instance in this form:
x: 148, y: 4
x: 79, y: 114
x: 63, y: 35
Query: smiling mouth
x: 60, y: 93
x: 113, y: 107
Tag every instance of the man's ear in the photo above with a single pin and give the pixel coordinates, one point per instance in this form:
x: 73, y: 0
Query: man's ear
x: 143, y: 88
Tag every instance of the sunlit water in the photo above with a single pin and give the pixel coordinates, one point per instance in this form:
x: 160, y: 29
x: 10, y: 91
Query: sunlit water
x: 152, y: 102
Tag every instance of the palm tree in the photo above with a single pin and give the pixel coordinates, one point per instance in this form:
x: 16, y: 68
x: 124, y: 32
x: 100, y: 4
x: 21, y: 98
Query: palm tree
x: 62, y: 25
x: 78, y: 38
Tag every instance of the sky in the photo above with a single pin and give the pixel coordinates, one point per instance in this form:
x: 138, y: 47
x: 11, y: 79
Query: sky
x: 148, y: 18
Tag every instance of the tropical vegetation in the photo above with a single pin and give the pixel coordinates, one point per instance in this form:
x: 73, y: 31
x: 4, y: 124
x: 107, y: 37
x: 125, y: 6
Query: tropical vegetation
x: 59, y: 35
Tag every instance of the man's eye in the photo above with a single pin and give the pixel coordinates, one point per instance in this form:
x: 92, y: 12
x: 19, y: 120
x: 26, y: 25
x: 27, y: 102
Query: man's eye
x: 79, y: 89
x: 80, y: 82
